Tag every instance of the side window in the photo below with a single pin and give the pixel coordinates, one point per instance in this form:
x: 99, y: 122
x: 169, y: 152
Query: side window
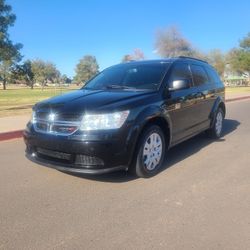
x: 212, y: 75
x: 180, y: 71
x: 199, y: 75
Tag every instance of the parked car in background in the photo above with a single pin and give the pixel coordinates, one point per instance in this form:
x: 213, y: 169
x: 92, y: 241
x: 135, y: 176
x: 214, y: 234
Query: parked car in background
x: 127, y: 117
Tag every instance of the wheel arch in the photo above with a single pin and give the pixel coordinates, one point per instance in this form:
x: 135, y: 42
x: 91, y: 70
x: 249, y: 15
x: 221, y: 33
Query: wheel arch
x: 162, y: 123
x: 147, y: 118
x: 219, y: 103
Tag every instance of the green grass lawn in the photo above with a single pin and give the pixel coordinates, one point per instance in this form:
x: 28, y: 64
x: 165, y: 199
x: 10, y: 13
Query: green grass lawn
x: 18, y: 101
x: 237, y: 90
x: 17, y: 97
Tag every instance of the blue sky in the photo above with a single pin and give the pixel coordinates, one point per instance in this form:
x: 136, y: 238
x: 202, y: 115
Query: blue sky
x: 63, y: 31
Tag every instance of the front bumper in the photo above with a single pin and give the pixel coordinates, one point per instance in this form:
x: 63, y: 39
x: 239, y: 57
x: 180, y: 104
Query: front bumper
x: 93, y: 153
x: 72, y: 168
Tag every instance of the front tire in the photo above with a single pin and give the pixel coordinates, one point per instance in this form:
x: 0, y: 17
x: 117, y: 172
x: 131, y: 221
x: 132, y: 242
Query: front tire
x: 150, y: 152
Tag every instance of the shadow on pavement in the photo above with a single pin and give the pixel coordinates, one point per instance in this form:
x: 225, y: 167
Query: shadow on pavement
x: 175, y: 154
x: 195, y: 144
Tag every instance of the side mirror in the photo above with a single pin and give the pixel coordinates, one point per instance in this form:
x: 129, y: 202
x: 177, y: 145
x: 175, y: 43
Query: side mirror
x: 179, y: 84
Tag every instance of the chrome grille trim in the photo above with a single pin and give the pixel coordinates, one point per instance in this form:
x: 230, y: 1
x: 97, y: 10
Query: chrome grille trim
x: 43, y: 124
x: 58, y: 122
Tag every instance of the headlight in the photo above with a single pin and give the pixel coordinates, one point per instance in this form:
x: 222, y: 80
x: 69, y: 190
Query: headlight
x: 33, y: 117
x: 104, y: 121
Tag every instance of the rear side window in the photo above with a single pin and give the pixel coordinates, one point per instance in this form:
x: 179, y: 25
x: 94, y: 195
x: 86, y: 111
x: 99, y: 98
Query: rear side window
x: 180, y: 71
x: 212, y: 75
x: 199, y: 75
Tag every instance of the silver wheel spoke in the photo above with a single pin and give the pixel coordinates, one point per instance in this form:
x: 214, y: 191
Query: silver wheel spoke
x: 218, y: 123
x: 152, y: 151
x: 147, y: 162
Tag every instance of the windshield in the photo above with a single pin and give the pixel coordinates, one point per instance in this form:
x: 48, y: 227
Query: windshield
x: 130, y: 76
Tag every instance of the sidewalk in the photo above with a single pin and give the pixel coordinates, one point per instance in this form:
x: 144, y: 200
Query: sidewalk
x: 13, y: 123
x: 11, y: 127
x: 230, y: 96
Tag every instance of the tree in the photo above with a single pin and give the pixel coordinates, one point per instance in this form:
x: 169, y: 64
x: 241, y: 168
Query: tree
x: 65, y: 79
x: 9, y: 52
x: 216, y: 58
x: 135, y: 56
x: 44, y: 72
x: 28, y: 73
x: 86, y: 69
x: 245, y: 43
x: 127, y: 58
x: 138, y: 54
x: 239, y: 58
x: 23, y: 73
x: 171, y: 43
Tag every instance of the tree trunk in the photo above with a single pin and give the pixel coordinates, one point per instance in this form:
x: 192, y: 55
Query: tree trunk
x: 4, y: 84
x: 31, y: 85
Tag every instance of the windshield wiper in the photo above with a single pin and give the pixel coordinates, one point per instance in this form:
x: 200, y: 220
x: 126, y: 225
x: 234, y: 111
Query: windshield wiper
x: 116, y: 86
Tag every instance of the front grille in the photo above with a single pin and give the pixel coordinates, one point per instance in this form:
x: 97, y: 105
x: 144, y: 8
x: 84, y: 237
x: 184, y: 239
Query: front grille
x: 81, y: 161
x: 54, y: 154
x: 59, y: 116
x: 88, y: 160
x: 52, y: 123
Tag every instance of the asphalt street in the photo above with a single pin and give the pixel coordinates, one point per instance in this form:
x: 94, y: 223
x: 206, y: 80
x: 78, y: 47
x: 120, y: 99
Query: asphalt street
x: 201, y: 200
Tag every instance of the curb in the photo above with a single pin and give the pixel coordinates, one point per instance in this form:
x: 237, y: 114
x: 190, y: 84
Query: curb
x: 238, y: 98
x: 11, y: 135
x: 19, y: 133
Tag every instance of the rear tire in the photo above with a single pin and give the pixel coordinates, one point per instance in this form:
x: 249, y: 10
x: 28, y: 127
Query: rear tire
x: 150, y: 153
x: 216, y: 130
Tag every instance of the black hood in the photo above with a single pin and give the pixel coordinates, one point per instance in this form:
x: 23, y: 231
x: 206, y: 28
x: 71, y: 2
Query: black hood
x: 85, y: 100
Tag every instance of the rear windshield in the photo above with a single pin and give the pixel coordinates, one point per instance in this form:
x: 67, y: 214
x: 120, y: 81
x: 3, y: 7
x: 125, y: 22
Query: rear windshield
x: 130, y: 76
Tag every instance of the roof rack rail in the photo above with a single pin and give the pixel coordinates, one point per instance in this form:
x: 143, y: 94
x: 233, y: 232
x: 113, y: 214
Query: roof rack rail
x: 193, y: 58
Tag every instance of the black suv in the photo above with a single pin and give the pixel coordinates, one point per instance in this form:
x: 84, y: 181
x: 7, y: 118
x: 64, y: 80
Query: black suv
x: 127, y: 116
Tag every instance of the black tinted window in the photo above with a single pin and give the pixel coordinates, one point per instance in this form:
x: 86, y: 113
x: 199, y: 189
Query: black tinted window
x: 138, y: 76
x: 146, y: 76
x: 199, y: 75
x: 212, y: 75
x: 180, y: 71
